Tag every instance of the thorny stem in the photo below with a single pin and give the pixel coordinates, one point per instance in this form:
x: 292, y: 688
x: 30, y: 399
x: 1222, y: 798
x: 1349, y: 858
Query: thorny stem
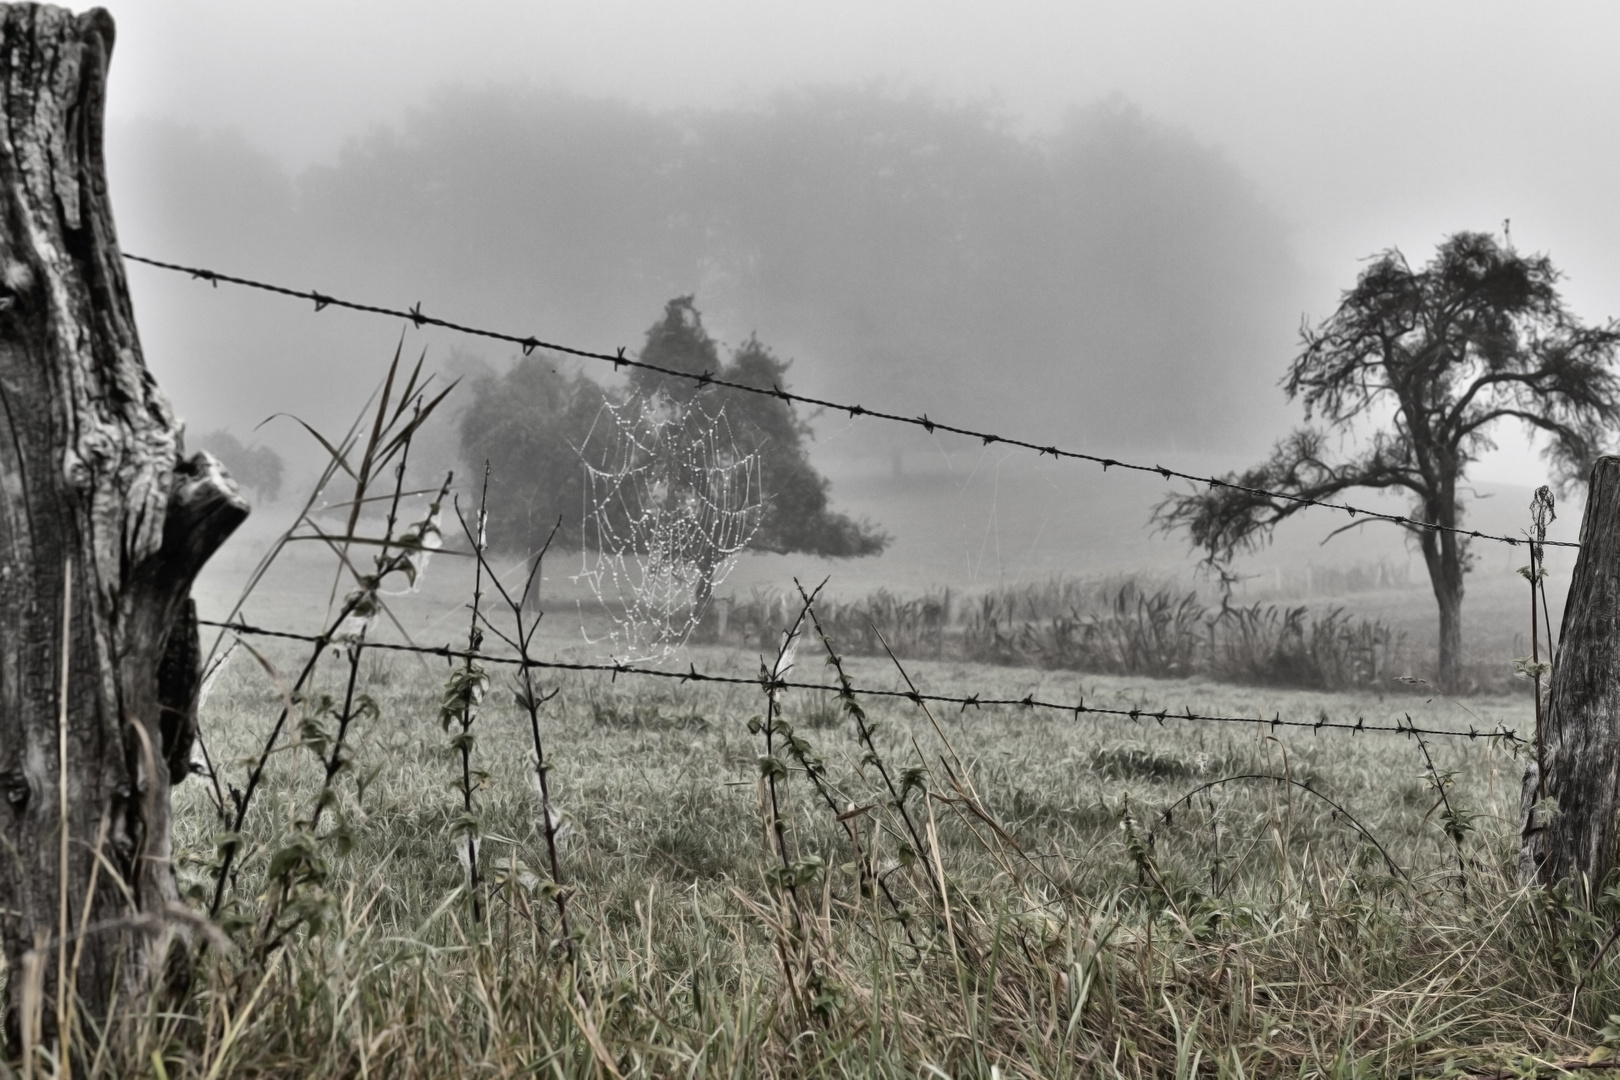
x: 1535, y: 659
x: 963, y: 784
x: 475, y: 638
x: 1552, y: 648
x: 773, y: 708
x: 245, y: 798
x: 847, y: 820
x: 216, y: 795
x: 541, y: 768
x: 1542, y: 513
x: 770, y: 679
x: 1608, y: 943
x: 335, y: 762
x: 1439, y: 783
x: 816, y: 772
x: 531, y: 703
x: 265, y: 944
x: 846, y: 692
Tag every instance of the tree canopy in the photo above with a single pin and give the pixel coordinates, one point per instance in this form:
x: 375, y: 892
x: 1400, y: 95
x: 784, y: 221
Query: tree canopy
x: 1478, y: 335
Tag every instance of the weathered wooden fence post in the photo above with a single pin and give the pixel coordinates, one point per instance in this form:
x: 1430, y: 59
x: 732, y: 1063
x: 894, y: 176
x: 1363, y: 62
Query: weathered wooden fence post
x: 1581, y: 724
x: 97, y: 509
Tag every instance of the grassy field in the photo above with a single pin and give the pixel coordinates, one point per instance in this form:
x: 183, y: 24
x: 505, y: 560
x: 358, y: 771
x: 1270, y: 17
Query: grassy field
x: 1034, y: 912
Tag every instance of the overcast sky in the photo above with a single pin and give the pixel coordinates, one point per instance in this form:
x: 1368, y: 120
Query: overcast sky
x: 1364, y: 124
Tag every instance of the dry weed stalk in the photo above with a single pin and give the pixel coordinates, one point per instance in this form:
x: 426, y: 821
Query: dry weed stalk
x: 530, y: 699
x: 395, y: 422
x: 463, y: 692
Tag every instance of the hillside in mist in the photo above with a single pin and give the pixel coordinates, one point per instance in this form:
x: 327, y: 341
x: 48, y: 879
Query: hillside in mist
x: 1111, y: 283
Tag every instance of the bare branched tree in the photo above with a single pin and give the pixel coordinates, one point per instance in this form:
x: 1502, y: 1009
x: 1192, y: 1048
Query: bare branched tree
x: 1436, y: 357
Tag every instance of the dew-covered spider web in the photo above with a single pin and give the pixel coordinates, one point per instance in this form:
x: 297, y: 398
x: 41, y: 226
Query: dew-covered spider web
x: 670, y: 503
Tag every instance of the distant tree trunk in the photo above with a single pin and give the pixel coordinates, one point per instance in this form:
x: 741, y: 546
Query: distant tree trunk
x: 1581, y: 723
x: 1449, y: 595
x: 1446, y: 560
x: 102, y: 524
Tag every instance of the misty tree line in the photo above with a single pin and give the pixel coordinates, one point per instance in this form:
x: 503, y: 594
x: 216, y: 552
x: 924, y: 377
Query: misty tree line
x: 1125, y: 282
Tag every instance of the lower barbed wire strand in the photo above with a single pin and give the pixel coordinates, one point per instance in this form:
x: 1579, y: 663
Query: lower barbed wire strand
x: 977, y: 701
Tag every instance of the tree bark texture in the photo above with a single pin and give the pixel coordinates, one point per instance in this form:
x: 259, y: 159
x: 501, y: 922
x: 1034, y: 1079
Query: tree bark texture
x: 91, y: 474
x: 1581, y: 723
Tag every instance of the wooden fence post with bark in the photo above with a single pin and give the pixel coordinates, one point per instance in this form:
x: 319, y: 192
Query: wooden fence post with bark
x: 103, y: 526
x: 1570, y: 828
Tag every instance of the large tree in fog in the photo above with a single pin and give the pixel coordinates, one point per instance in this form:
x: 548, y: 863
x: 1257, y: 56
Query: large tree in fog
x: 534, y: 424
x: 1431, y: 359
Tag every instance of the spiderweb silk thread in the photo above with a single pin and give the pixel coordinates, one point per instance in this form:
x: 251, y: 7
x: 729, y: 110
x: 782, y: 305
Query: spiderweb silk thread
x: 670, y: 504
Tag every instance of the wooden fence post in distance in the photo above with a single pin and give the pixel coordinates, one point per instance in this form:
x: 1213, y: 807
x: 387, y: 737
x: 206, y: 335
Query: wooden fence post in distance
x: 1581, y: 724
x: 97, y: 508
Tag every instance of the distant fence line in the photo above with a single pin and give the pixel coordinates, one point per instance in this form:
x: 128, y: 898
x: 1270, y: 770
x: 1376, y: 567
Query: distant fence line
x: 976, y: 701
x: 528, y: 343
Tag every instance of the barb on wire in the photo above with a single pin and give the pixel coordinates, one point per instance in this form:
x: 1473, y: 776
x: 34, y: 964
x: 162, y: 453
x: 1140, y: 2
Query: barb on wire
x: 1078, y: 709
x: 618, y: 359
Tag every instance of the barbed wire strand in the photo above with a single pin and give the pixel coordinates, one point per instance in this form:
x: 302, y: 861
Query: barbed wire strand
x: 705, y: 379
x: 976, y: 701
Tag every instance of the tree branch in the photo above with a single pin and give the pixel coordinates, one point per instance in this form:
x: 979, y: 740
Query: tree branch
x: 1227, y: 518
